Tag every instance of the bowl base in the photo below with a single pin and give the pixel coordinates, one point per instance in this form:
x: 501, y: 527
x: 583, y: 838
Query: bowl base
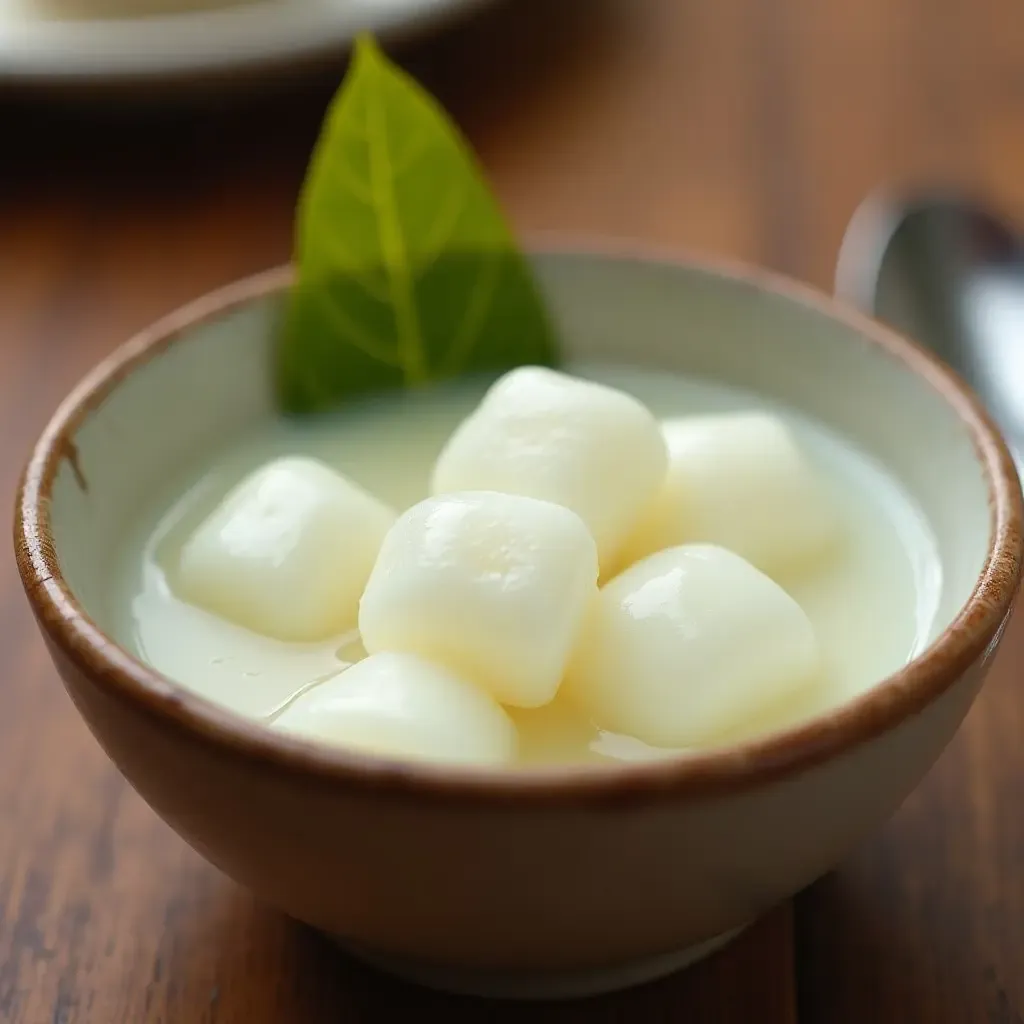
x: 537, y: 985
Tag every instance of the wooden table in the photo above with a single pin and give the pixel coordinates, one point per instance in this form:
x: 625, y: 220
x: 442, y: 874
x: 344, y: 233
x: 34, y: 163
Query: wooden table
x: 748, y: 127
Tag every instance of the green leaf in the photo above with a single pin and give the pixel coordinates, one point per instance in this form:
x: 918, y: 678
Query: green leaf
x: 407, y: 270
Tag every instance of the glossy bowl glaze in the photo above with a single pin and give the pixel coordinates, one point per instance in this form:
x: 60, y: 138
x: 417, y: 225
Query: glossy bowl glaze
x: 553, y: 881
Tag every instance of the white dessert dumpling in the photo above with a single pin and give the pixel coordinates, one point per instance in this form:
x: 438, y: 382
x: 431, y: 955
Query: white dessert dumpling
x: 547, y: 435
x: 739, y: 481
x: 688, y: 644
x: 493, y: 586
x: 404, y: 706
x: 287, y: 552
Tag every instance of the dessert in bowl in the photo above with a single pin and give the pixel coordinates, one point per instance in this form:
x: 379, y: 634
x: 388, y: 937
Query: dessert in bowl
x: 593, y: 857
x: 528, y: 623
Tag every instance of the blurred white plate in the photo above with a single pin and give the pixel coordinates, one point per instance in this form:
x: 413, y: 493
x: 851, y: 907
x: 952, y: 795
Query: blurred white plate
x: 42, y: 42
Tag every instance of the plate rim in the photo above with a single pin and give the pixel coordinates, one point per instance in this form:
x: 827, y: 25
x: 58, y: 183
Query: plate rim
x: 252, y: 35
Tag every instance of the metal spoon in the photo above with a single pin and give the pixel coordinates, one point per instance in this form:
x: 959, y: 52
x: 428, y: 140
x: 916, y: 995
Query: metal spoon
x: 949, y: 274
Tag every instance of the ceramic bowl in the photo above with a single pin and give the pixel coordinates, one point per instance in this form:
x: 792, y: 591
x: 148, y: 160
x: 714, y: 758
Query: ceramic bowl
x: 557, y: 881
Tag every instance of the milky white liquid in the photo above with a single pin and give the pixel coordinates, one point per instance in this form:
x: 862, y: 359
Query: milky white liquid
x: 872, y: 606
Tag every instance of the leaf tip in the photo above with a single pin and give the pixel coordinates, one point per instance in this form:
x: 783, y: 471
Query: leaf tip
x: 366, y: 49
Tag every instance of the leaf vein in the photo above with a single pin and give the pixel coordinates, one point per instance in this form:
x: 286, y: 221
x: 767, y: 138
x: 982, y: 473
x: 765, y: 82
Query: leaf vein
x: 415, y: 151
x: 471, y: 326
x: 341, y: 262
x: 347, y: 179
x: 444, y: 222
x: 357, y: 336
x: 392, y: 245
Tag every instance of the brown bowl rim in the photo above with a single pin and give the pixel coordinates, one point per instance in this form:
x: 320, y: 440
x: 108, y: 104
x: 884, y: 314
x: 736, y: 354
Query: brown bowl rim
x: 696, y: 775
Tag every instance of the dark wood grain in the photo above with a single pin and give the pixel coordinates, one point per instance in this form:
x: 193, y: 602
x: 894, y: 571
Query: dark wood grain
x: 926, y: 923
x: 744, y: 127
